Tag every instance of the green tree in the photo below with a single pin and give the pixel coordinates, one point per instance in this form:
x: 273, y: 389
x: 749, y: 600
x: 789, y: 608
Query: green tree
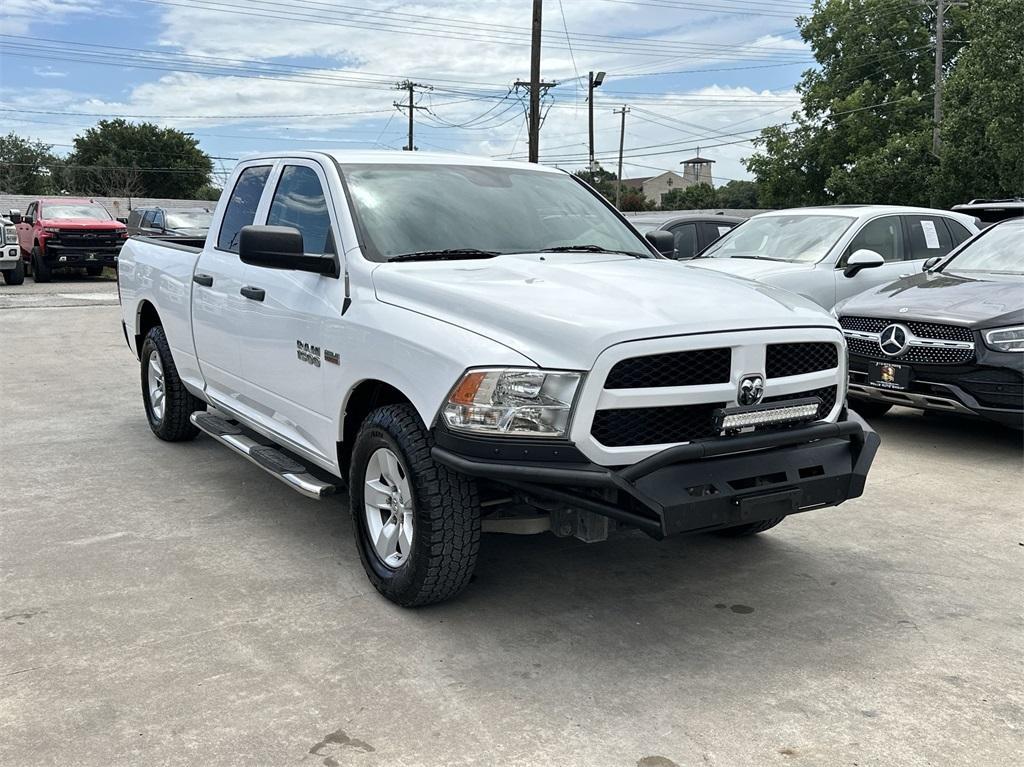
x: 602, y: 180
x: 633, y: 200
x: 209, y: 192
x: 26, y: 166
x: 863, y: 131
x: 983, y: 108
x: 738, y: 195
x: 140, y: 159
x: 695, y: 197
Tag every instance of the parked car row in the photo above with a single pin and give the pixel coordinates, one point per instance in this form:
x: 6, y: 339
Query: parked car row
x: 66, y: 232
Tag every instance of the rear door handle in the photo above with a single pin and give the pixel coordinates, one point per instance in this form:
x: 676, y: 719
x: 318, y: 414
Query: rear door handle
x: 203, y: 279
x: 256, y: 294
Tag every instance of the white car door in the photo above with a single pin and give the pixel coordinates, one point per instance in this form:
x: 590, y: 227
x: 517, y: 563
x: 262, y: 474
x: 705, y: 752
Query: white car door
x: 883, y: 235
x: 285, y: 354
x: 218, y: 308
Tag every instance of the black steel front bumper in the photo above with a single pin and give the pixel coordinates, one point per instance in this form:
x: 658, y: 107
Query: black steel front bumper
x: 704, y: 485
x: 62, y: 255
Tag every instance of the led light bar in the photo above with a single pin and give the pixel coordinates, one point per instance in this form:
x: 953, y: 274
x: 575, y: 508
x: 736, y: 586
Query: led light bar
x: 791, y: 412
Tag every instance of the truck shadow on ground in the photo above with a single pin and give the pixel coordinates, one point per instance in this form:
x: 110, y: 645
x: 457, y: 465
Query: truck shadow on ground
x: 949, y: 431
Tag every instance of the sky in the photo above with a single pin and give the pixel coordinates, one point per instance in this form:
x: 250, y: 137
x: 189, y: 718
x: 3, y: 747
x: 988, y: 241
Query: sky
x: 250, y: 76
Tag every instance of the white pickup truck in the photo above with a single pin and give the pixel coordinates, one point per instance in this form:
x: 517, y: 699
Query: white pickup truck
x: 477, y: 346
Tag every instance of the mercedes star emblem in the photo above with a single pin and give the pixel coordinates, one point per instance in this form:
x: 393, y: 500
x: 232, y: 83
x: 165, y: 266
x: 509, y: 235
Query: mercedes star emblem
x: 894, y: 340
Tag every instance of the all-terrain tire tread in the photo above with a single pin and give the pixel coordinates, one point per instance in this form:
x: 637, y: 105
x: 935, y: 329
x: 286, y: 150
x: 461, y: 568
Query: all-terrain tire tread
x: 179, y: 404
x: 741, y: 531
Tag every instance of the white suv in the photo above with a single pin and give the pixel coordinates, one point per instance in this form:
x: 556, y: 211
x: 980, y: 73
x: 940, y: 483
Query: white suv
x: 834, y: 252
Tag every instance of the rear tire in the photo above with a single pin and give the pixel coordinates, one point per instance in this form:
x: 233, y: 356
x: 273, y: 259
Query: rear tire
x: 432, y: 512
x: 742, y: 531
x: 41, y: 271
x: 94, y: 270
x: 167, y: 401
x: 869, y: 408
x: 15, y: 276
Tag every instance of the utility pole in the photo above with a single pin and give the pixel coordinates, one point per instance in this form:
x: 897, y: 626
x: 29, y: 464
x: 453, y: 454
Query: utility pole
x: 622, y: 140
x: 940, y: 23
x: 594, y: 81
x: 411, y: 87
x: 535, y: 82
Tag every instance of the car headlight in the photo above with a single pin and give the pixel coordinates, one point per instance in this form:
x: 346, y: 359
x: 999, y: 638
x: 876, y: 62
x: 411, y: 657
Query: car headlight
x: 10, y: 235
x: 1005, y: 339
x: 517, y: 402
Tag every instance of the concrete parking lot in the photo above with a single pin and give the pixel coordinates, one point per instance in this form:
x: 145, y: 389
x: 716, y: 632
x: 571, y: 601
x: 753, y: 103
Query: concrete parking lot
x: 171, y: 604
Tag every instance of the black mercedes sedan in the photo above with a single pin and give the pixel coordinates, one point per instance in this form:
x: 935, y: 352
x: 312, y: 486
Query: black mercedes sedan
x: 948, y: 339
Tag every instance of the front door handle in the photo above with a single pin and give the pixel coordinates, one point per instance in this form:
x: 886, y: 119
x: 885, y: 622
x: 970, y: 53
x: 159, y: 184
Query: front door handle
x: 203, y: 279
x: 256, y: 294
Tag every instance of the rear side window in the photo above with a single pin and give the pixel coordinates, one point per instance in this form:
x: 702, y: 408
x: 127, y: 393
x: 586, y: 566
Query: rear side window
x: 686, y: 240
x: 147, y: 220
x: 928, y: 236
x: 241, y: 209
x: 299, y: 202
x: 883, y: 236
x: 957, y: 230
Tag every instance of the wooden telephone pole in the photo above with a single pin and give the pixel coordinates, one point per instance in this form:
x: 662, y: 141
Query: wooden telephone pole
x: 535, y: 86
x: 622, y: 140
x: 411, y: 106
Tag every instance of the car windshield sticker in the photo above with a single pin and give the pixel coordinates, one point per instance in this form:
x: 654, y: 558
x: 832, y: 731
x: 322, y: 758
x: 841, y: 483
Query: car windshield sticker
x: 931, y: 237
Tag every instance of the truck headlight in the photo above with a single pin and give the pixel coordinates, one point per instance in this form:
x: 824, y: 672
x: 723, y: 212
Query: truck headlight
x: 519, y: 402
x: 51, y: 229
x: 1005, y: 339
x: 10, y: 235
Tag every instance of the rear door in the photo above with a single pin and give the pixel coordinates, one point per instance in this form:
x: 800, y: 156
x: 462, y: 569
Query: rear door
x: 884, y: 236
x: 285, y: 351
x: 218, y: 307
x: 26, y: 236
x: 927, y: 236
x: 686, y: 243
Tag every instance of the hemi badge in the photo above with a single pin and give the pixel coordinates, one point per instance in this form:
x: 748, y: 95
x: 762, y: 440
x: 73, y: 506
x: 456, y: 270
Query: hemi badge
x: 333, y: 357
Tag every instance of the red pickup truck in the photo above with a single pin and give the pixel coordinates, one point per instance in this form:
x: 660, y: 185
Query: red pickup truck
x: 58, y: 232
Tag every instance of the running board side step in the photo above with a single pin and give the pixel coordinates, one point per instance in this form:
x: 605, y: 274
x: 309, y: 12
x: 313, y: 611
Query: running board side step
x: 273, y: 461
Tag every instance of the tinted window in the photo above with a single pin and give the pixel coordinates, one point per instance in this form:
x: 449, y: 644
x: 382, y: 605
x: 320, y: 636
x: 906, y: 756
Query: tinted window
x: 709, y: 233
x: 147, y: 220
x: 299, y: 201
x: 928, y: 237
x: 686, y: 240
x: 883, y: 235
x: 31, y: 210
x: 241, y: 210
x: 959, y: 232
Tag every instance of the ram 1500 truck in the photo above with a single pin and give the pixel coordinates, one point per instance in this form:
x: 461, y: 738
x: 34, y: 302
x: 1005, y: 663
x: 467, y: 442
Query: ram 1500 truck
x: 61, y: 232
x: 473, y: 346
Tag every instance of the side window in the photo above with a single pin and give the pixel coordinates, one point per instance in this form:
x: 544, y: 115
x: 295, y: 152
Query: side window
x: 241, y: 209
x: 928, y: 237
x: 686, y: 240
x: 31, y: 209
x: 299, y: 202
x: 883, y: 235
x: 958, y: 231
x: 712, y: 232
x: 158, y: 219
x: 147, y: 220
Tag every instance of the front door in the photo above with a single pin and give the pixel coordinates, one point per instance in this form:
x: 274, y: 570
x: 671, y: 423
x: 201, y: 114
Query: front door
x: 285, y: 353
x: 883, y: 236
x: 218, y: 307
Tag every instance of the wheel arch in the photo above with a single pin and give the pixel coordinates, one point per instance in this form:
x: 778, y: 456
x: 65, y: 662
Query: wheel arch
x: 365, y: 397
x: 146, y: 318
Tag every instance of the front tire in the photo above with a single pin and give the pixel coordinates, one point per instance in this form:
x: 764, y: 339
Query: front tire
x: 41, y: 271
x: 168, y: 403
x: 417, y: 523
x: 15, y: 276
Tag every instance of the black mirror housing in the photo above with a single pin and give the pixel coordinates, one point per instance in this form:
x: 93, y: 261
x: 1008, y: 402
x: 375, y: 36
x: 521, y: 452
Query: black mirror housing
x: 281, y: 247
x: 30, y: 220
x: 663, y: 242
x: 14, y: 215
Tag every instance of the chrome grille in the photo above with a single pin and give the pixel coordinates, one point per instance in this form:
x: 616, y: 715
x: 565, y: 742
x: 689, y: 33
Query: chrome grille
x: 920, y: 329
x: 922, y: 355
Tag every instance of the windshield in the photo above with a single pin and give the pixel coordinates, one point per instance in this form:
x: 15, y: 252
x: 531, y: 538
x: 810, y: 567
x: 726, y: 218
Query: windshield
x: 188, y: 219
x: 1000, y: 249
x: 81, y: 210
x: 405, y: 209
x: 796, y: 238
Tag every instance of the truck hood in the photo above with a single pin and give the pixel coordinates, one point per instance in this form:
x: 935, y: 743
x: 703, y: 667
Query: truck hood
x: 751, y: 268
x: 563, y: 309
x: 976, y: 300
x: 82, y: 223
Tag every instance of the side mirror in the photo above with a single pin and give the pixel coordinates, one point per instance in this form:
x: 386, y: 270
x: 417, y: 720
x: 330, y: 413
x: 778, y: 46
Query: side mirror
x: 663, y: 242
x: 15, y: 215
x: 931, y: 263
x: 30, y: 220
x: 123, y: 220
x: 280, y: 247
x: 862, y: 259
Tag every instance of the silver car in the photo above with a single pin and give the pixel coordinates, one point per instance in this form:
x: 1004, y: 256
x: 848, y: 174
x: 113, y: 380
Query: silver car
x: 830, y: 253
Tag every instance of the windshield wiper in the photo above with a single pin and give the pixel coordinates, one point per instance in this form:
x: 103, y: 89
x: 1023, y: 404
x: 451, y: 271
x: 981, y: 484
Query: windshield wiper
x: 753, y: 258
x: 589, y: 249
x: 451, y: 254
